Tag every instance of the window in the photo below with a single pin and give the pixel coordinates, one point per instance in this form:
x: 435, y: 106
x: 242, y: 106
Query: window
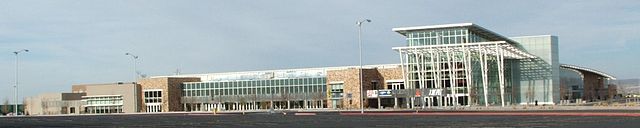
x: 374, y: 85
x: 153, y: 96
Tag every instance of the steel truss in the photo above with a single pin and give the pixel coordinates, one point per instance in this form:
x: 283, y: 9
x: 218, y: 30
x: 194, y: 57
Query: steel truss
x: 429, y: 65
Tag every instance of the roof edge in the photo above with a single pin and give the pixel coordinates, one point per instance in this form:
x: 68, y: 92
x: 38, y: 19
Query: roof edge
x: 588, y: 70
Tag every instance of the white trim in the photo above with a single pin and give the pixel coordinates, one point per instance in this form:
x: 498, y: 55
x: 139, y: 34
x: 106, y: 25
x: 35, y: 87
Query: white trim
x: 531, y: 36
x: 336, y: 82
x: 587, y: 69
x: 394, y: 81
x: 205, y: 75
x: 512, y: 52
x: 100, y: 96
x: 432, y: 27
x: 102, y: 105
x: 152, y: 104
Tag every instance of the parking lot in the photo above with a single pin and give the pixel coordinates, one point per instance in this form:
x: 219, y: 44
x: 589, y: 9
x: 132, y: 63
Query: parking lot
x: 319, y: 120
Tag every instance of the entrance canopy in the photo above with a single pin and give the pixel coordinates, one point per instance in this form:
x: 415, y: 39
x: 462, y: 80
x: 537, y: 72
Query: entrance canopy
x: 492, y: 48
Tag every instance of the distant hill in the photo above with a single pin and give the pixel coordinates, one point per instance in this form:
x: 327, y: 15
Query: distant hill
x: 627, y: 85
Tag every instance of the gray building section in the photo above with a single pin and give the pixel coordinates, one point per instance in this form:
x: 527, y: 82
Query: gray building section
x: 539, y: 78
x: 110, y: 98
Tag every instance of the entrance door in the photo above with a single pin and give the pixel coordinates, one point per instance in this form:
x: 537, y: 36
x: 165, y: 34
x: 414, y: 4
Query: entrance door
x: 336, y: 104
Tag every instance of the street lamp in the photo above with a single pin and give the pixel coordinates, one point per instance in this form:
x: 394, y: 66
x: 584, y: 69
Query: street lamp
x: 135, y: 63
x: 15, y: 110
x: 359, y: 23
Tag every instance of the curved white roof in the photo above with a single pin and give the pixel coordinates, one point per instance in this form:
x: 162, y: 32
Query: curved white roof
x: 587, y: 70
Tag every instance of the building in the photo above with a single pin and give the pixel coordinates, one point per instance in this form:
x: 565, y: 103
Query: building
x: 283, y: 89
x: 8, y: 108
x: 162, y: 94
x: 447, y: 65
x: 55, y: 104
x: 586, y: 84
x: 466, y: 64
x: 109, y: 98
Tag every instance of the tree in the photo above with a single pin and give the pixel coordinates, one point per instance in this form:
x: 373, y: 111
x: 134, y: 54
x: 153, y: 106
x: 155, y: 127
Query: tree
x: 317, y: 97
x: 25, y: 105
x: 5, y: 107
x: 473, y: 95
x: 285, y: 96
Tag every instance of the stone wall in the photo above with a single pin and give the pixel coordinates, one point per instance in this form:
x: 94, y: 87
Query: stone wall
x: 351, y: 83
x: 171, y: 91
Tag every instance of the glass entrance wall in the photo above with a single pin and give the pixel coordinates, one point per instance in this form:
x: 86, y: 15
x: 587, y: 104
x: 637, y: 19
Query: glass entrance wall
x: 454, y: 57
x: 449, y: 67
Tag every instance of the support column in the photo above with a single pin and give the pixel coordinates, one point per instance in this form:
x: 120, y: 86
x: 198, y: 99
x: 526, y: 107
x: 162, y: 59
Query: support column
x: 419, y: 70
x: 451, y: 75
x: 395, y: 102
x: 484, y: 69
x: 304, y: 104
x: 467, y: 70
x: 500, y: 61
x: 379, y: 105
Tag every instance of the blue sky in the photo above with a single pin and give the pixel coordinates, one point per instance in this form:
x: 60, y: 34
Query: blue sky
x: 84, y: 41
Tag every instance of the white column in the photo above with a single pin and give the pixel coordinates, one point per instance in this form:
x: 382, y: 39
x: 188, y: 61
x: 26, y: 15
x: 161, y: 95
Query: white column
x: 467, y: 67
x: 483, y: 65
x: 451, y: 74
x: 500, y: 61
x: 402, y: 66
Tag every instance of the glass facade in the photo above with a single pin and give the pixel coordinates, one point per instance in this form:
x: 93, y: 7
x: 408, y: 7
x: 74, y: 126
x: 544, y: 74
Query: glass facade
x: 539, y: 78
x: 443, y: 36
x: 255, y: 87
x: 103, y: 104
x: 297, y: 88
x: 571, y: 84
x: 447, y: 70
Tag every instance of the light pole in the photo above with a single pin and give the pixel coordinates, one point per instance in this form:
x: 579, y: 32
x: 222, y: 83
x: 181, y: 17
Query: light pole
x: 15, y: 109
x: 135, y: 75
x: 359, y: 23
x: 135, y: 63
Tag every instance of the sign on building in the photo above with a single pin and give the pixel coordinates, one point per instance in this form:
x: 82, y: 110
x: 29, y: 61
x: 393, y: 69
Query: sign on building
x: 435, y: 92
x: 383, y: 93
x: 372, y: 93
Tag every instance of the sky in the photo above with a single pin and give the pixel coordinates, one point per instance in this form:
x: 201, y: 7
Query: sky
x: 85, y: 41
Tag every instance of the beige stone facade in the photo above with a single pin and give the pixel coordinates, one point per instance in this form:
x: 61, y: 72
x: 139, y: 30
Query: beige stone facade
x: 171, y: 91
x: 54, y: 103
x: 351, y: 83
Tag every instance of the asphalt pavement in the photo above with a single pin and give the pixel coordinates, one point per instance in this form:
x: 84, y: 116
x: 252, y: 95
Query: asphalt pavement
x: 321, y: 119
